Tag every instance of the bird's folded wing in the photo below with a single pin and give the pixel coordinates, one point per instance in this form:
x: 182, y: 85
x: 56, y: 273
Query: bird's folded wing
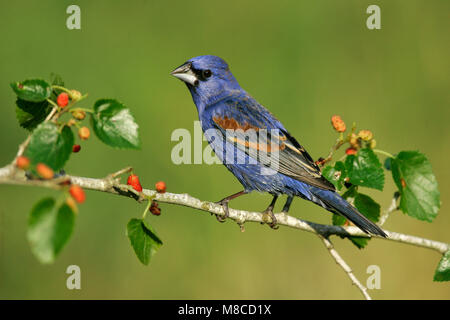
x: 254, y: 130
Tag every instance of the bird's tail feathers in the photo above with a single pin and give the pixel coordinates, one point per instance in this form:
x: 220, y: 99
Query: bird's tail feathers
x: 339, y: 205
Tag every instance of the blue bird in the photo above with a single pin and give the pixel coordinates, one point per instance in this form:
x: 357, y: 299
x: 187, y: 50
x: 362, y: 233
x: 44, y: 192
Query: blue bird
x: 255, y: 146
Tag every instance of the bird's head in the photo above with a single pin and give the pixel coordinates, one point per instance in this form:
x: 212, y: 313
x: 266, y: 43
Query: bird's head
x: 208, y: 78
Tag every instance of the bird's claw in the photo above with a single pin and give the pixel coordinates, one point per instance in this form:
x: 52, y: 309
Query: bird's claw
x: 270, y: 219
x: 224, y: 205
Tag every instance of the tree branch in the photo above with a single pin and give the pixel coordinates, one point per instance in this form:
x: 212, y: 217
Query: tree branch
x: 111, y: 184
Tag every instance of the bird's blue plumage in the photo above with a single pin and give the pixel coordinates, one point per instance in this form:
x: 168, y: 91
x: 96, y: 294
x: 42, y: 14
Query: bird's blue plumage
x: 225, y: 108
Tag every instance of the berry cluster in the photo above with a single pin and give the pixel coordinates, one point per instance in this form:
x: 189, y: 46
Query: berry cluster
x: 362, y: 139
x: 160, y: 186
x: 46, y: 173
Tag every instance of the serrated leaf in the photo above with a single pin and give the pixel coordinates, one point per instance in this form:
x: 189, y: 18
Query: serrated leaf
x: 34, y: 90
x: 368, y: 207
x: 443, y: 270
x: 31, y: 114
x: 143, y: 239
x: 49, y: 146
x: 114, y: 125
x: 49, y: 229
x: 420, y: 197
x: 335, y: 174
x: 364, y: 169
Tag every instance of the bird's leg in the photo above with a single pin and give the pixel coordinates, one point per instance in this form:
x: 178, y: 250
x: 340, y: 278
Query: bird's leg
x: 269, y: 213
x: 287, y: 205
x: 224, y: 204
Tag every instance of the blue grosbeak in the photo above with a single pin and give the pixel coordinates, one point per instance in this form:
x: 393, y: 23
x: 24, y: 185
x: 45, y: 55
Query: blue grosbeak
x: 255, y: 146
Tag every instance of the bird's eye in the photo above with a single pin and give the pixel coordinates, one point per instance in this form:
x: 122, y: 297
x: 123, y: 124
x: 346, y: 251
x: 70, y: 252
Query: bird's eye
x: 206, y: 73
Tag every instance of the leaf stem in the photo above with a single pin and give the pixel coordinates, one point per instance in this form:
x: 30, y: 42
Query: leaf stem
x: 149, y: 203
x: 61, y: 88
x: 385, y: 153
x: 52, y: 103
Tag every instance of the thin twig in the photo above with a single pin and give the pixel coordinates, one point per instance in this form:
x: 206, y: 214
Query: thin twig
x: 392, y: 207
x: 345, y: 267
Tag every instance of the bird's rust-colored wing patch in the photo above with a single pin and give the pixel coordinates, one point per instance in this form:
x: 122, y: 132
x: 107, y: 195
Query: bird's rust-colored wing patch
x: 230, y: 123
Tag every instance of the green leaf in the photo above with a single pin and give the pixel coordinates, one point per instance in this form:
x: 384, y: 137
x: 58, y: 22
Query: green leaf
x: 114, y: 125
x: 31, y: 114
x: 49, y: 146
x: 387, y: 164
x: 364, y: 169
x: 368, y: 207
x: 335, y: 174
x: 350, y: 193
x: 49, y: 229
x: 34, y: 90
x: 338, y: 220
x: 143, y: 239
x: 420, y: 197
x: 56, y: 80
x: 443, y: 270
x: 360, y: 242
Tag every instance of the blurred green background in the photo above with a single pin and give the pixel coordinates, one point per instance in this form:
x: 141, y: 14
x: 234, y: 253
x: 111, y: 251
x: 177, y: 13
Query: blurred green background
x: 305, y: 61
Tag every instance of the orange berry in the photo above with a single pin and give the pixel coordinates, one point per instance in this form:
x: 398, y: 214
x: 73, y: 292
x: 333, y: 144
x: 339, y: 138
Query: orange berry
x: 133, y: 180
x: 77, y: 193
x: 22, y: 163
x: 44, y: 171
x: 84, y: 133
x: 338, y: 123
x: 160, y: 187
x: 76, y: 148
x: 62, y: 100
x: 350, y: 151
x: 154, y: 209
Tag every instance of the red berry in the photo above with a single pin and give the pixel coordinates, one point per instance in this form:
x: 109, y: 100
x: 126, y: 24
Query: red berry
x: 62, y: 100
x: 76, y: 148
x: 77, y: 193
x: 133, y: 180
x: 160, y: 187
x: 44, y: 171
x: 154, y: 209
x: 350, y: 151
x: 84, y: 133
x: 22, y: 162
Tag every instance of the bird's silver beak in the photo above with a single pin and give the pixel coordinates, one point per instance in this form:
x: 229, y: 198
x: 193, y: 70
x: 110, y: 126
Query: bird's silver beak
x: 185, y: 73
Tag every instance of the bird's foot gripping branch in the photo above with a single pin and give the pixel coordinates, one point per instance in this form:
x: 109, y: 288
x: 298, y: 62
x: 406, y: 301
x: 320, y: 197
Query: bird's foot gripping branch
x: 51, y: 113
